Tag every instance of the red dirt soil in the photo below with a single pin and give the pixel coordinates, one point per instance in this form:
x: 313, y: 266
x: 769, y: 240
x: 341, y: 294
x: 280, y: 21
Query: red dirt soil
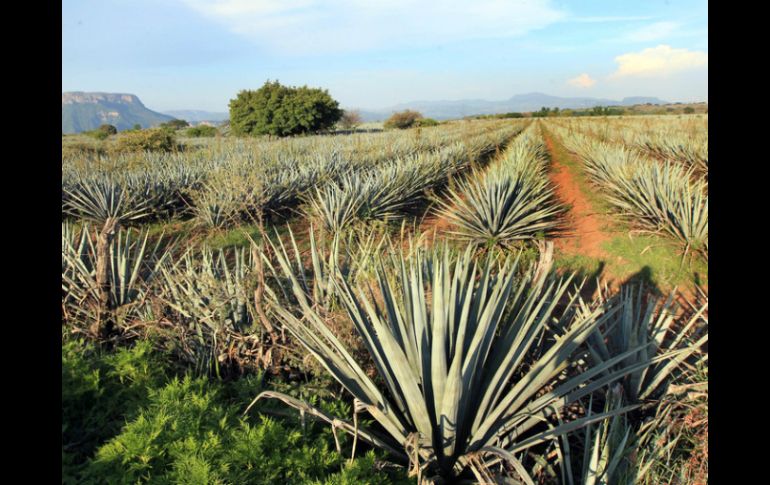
x: 583, y: 233
x: 435, y: 222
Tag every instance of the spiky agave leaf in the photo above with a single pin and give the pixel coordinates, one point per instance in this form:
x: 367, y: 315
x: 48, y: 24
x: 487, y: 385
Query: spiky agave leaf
x: 448, y: 361
x: 209, y: 288
x: 608, y: 445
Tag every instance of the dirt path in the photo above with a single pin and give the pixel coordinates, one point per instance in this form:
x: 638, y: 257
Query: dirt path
x: 585, y: 228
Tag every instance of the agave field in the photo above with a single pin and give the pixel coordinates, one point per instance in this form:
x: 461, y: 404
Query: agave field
x: 410, y: 306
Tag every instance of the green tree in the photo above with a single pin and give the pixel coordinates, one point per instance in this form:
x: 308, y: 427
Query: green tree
x: 280, y: 110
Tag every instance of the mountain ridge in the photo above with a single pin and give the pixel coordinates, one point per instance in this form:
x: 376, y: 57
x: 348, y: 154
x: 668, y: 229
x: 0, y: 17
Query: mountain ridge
x: 84, y: 111
x: 448, y: 109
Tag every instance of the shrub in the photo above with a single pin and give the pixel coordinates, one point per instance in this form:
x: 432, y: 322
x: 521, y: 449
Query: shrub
x: 426, y: 122
x: 188, y: 432
x: 156, y: 140
x: 103, y: 132
x: 109, y: 129
x: 128, y: 418
x: 689, y: 110
x: 175, y: 124
x: 350, y: 120
x: 402, y: 119
x: 280, y: 110
x: 202, y: 131
x: 99, y: 391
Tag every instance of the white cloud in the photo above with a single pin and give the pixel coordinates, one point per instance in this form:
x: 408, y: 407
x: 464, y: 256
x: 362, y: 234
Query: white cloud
x: 658, y: 61
x: 652, y: 32
x: 582, y: 81
x: 315, y: 26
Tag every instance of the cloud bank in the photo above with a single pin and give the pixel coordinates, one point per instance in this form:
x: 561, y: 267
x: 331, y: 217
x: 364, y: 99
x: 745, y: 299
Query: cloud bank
x: 658, y: 61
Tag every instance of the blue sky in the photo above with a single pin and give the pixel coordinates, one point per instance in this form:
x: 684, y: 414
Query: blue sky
x: 197, y: 54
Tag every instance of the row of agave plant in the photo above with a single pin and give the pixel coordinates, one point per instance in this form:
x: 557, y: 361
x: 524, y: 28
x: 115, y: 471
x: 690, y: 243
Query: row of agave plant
x: 476, y: 359
x: 668, y: 139
x: 247, y: 189
x: 224, y: 182
x: 388, y: 191
x: 661, y: 196
x: 512, y: 201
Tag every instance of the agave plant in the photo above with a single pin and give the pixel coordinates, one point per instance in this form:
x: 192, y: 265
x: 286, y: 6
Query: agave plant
x: 132, y: 266
x: 513, y: 201
x: 670, y: 145
x: 501, y: 209
x: 620, y: 452
x: 101, y: 199
x: 387, y: 191
x: 352, y: 256
x: 464, y: 372
x: 209, y: 293
x: 665, y: 198
x: 204, y: 287
x: 216, y: 206
x: 656, y: 328
x: 338, y: 206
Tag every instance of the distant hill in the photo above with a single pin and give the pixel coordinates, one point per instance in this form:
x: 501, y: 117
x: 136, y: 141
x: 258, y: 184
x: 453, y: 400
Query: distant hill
x: 442, y: 110
x: 86, y: 111
x: 196, y: 116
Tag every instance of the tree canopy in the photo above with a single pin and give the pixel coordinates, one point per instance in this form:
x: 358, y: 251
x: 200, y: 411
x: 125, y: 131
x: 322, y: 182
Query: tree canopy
x: 275, y: 109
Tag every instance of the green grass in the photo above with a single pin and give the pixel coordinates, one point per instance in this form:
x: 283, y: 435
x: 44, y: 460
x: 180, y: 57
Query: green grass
x: 235, y: 237
x: 655, y: 260
x: 582, y: 265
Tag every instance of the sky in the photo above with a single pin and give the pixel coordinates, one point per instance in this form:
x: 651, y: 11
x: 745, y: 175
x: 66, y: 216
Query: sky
x: 371, y: 54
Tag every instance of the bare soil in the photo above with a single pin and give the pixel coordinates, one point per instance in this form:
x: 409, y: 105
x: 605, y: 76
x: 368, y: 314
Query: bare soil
x: 584, y: 231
